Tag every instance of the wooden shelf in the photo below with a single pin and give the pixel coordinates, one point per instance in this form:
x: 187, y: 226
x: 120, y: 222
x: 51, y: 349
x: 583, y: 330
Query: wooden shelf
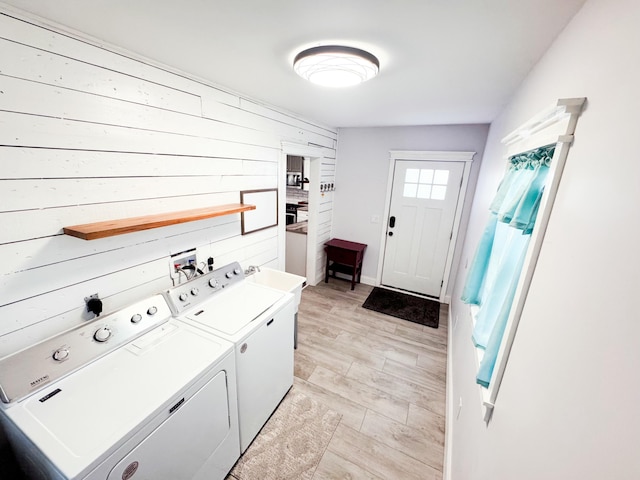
x: 93, y: 231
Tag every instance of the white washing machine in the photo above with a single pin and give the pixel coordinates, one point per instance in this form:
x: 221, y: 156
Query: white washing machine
x: 132, y: 395
x: 260, y: 322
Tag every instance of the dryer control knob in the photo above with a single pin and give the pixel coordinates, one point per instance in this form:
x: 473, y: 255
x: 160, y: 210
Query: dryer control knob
x: 183, y: 297
x: 213, y: 283
x: 136, y: 318
x: 102, y: 334
x: 237, y: 271
x: 229, y: 274
x: 60, y: 354
x: 152, y: 310
x: 194, y: 291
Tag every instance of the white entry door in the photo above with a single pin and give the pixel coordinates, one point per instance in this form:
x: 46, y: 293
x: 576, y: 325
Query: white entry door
x: 424, y: 198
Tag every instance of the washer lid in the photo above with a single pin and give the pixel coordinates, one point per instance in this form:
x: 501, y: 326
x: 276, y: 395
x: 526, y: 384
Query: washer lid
x: 238, y: 306
x: 80, y: 418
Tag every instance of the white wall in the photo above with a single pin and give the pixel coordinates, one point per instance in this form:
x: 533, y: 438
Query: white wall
x: 568, y: 404
x: 92, y: 133
x: 363, y: 170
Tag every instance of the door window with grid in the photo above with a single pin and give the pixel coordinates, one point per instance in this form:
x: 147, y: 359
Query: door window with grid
x: 426, y: 183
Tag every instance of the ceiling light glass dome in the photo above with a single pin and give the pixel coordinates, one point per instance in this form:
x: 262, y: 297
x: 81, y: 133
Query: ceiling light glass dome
x: 336, y: 66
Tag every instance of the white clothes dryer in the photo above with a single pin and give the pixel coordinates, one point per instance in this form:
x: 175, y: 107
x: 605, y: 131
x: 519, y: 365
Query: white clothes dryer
x: 260, y: 322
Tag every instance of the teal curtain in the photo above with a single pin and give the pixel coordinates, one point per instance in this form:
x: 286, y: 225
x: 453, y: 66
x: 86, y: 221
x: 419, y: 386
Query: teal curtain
x: 494, y: 273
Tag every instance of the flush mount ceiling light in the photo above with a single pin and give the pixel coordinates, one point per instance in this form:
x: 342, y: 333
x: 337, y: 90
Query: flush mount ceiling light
x: 336, y: 66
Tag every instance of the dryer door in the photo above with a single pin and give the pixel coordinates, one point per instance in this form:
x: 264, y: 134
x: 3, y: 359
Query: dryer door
x: 181, y: 445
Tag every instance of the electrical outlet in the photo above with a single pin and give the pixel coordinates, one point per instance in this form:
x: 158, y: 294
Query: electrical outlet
x: 183, y: 265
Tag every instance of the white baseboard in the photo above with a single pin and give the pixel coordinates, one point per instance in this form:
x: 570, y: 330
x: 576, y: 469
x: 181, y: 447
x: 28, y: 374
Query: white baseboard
x: 448, y: 440
x: 369, y: 281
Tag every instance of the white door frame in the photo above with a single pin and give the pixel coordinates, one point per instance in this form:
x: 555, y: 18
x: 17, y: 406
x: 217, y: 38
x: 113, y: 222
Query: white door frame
x: 315, y: 154
x: 435, y: 156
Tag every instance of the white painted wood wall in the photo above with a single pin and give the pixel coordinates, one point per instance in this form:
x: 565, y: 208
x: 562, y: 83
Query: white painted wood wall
x: 90, y: 133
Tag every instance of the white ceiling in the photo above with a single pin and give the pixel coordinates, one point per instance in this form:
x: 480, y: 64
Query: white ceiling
x: 441, y: 61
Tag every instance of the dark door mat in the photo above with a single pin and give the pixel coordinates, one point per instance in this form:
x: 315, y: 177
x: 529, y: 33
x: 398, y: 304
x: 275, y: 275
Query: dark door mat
x: 400, y: 305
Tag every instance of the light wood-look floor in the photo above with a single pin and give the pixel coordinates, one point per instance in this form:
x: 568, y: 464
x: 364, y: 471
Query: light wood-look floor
x: 386, y: 377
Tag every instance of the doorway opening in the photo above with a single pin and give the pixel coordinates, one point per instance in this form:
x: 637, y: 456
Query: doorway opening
x: 297, y: 236
x: 297, y: 214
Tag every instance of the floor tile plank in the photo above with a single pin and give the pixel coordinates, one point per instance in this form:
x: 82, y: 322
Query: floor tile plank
x: 353, y: 351
x: 391, y: 352
x: 364, y: 317
x: 408, y: 344
x: 429, y: 422
x: 432, y: 380
x: 303, y: 366
x: 431, y: 338
x: 323, y: 355
x: 401, y: 388
x: 406, y: 439
x: 378, y: 458
x: 365, y: 395
x: 334, y: 467
x: 352, y: 413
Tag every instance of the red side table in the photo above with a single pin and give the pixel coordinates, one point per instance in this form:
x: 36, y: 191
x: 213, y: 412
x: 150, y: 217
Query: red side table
x: 344, y: 257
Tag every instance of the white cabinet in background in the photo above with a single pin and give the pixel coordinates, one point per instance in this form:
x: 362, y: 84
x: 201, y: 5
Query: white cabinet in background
x: 296, y: 253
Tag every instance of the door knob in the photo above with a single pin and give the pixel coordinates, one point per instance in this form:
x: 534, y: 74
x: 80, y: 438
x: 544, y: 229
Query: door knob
x: 391, y: 234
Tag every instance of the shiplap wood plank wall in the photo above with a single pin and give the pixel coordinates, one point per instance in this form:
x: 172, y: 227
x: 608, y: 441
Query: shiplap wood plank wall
x: 327, y: 176
x: 89, y: 133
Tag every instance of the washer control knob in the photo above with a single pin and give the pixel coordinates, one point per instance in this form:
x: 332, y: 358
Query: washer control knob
x: 136, y: 318
x: 61, y: 354
x: 237, y: 271
x: 102, y: 334
x: 229, y: 274
x: 152, y: 310
x: 194, y: 291
x: 213, y: 283
x: 183, y: 297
